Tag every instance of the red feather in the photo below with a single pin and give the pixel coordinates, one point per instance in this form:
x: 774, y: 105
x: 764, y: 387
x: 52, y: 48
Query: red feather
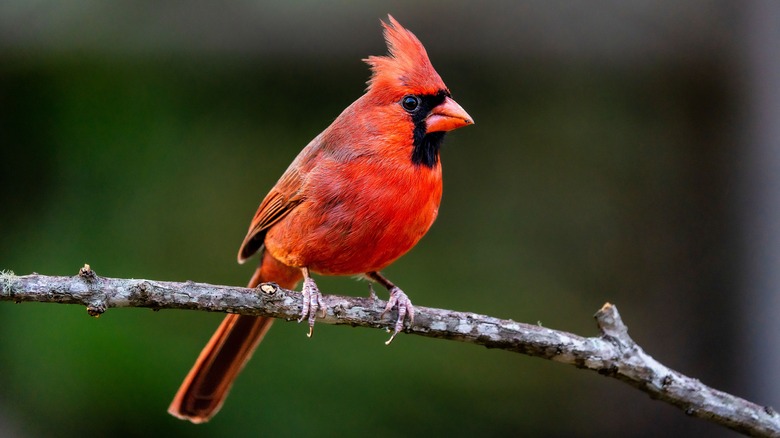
x: 353, y: 201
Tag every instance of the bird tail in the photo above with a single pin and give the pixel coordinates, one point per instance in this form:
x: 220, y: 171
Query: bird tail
x: 207, y: 384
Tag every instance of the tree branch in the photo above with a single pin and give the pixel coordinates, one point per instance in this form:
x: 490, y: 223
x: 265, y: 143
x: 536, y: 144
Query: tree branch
x: 613, y: 354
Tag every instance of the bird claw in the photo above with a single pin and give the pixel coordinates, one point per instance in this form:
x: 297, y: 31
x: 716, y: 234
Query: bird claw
x: 312, y: 302
x: 399, y: 299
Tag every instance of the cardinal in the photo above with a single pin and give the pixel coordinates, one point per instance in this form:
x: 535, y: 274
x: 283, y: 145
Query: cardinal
x: 355, y: 199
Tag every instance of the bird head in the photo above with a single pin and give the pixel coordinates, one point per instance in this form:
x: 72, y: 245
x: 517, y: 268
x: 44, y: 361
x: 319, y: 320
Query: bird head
x: 407, y: 78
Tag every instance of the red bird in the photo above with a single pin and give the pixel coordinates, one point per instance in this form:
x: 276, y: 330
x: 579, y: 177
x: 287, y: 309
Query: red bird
x: 356, y: 198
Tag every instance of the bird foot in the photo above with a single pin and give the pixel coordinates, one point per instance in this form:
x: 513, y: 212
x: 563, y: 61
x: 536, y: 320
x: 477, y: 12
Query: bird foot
x: 312, y: 302
x: 399, y: 299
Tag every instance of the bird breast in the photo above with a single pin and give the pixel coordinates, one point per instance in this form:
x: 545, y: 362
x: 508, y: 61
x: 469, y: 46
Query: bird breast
x: 357, y: 216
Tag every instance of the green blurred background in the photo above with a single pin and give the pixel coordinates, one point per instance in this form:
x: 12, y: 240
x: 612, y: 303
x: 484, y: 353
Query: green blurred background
x: 139, y: 137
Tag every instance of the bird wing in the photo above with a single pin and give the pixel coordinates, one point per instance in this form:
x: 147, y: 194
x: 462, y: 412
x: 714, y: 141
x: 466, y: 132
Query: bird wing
x: 282, y: 199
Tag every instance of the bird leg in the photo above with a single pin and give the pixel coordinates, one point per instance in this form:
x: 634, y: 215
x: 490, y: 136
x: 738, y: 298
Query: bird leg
x: 312, y: 301
x: 397, y: 299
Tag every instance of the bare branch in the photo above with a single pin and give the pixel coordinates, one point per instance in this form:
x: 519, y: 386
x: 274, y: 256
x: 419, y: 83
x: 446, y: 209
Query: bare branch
x: 613, y: 354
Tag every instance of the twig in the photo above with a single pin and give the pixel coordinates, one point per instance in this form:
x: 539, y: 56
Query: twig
x: 613, y: 354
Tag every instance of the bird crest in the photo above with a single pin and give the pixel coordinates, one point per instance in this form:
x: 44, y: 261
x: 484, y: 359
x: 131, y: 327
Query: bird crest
x: 406, y: 69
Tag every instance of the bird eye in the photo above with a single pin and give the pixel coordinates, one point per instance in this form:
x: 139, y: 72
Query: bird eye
x: 410, y: 103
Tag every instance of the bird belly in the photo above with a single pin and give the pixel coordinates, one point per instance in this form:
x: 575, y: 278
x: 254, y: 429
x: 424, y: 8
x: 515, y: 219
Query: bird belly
x: 350, y: 225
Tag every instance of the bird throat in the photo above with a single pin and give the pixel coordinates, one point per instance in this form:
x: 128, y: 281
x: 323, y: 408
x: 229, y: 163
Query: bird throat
x: 426, y: 146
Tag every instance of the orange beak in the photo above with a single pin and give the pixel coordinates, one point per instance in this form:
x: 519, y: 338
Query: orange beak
x: 447, y: 116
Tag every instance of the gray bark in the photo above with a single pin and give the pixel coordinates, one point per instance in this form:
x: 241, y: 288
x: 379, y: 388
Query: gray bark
x: 613, y: 353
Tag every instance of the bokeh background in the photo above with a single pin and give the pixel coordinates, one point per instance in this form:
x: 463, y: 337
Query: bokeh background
x: 623, y: 152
